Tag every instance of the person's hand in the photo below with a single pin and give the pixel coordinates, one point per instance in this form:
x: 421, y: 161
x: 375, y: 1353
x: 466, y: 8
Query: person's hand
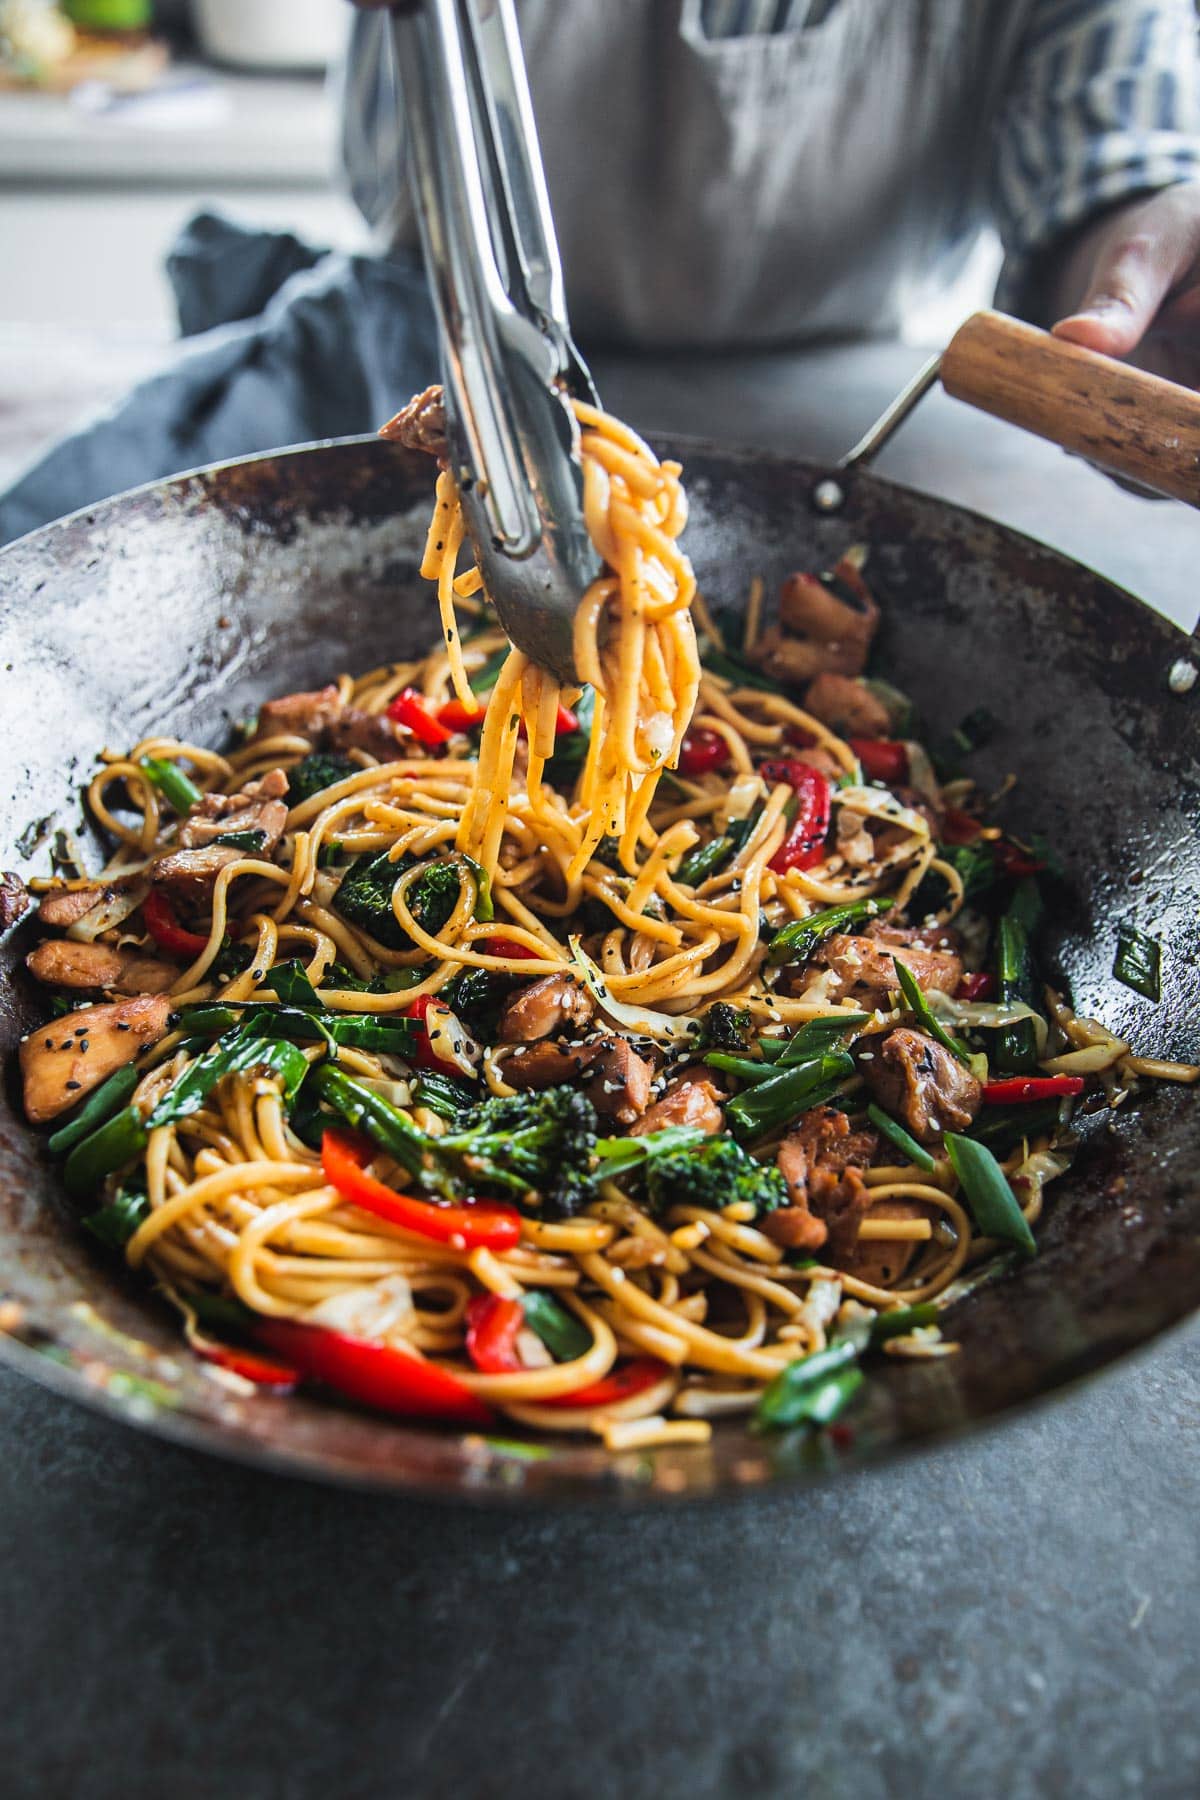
x: 1129, y: 284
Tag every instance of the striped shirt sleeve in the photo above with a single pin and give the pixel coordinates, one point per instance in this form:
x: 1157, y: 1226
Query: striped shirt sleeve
x: 1104, y: 105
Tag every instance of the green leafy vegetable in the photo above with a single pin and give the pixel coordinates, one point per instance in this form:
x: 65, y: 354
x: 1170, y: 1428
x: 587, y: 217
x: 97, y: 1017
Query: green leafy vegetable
x: 237, y: 1052
x: 800, y: 940
x: 115, y: 1222
x: 565, y: 1337
x: 1015, y: 1046
x: 907, y: 1145
x: 797, y: 1396
x: 290, y: 981
x: 315, y: 772
x: 249, y: 842
x: 117, y: 1142
x: 918, y: 1006
x: 100, y: 1105
x: 1002, y: 1128
x: 172, y: 783
x: 1138, y: 962
x: 992, y: 1201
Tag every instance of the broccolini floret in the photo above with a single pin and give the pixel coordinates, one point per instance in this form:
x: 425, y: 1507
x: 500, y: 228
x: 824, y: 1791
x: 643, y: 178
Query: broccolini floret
x: 717, y: 1174
x: 538, y: 1148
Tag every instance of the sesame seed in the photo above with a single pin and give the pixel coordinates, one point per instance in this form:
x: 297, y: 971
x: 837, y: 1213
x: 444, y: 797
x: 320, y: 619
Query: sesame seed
x: 73, y: 1085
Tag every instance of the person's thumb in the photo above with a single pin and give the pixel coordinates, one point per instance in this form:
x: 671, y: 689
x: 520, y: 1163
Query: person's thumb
x: 1129, y: 283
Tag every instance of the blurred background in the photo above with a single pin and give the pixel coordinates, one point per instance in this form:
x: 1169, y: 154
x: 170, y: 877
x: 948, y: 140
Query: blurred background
x: 119, y: 119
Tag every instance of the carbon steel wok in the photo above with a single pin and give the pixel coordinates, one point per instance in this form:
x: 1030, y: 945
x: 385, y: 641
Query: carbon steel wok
x: 184, y: 604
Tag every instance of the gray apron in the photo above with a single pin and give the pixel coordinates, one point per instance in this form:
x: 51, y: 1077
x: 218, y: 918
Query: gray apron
x: 762, y: 189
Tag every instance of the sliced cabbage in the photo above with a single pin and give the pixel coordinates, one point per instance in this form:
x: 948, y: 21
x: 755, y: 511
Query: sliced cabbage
x: 116, y: 906
x: 450, y: 1040
x: 641, y: 1021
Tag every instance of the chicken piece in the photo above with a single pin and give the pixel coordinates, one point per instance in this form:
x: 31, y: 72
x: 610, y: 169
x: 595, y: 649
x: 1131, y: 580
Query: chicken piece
x: 194, y: 871
x: 880, y: 1261
x: 693, y: 1100
x: 299, y: 715
x: 814, y: 611
x: 612, y: 1074
x: 421, y: 425
x: 847, y: 706
x: 59, y: 962
x: 65, y: 906
x: 14, y: 899
x: 375, y: 733
x: 942, y: 938
x: 544, y: 1007
x: 259, y: 806
x: 865, y: 972
x: 63, y: 1061
x: 922, y: 1084
x: 792, y: 661
x: 821, y: 1161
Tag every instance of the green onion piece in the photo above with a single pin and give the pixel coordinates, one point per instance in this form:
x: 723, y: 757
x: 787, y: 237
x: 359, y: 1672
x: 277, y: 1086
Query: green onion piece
x: 370, y: 1112
x: 819, y: 1036
x: 448, y: 1098
x: 1015, y: 1046
x: 788, y: 1397
x: 918, y: 1006
x: 898, y: 1321
x: 906, y: 1144
x: 172, y: 783
x: 100, y: 1105
x: 992, y: 1201
x: 777, y: 1100
x: 705, y: 860
x: 829, y: 1401
x: 742, y: 1066
x: 1138, y: 962
x: 565, y: 1337
x: 118, y: 1141
x: 115, y: 1222
x: 1002, y: 1128
x: 485, y: 911
x: 801, y: 939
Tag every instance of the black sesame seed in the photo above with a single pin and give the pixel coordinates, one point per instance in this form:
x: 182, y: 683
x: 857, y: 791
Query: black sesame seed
x: 73, y: 1085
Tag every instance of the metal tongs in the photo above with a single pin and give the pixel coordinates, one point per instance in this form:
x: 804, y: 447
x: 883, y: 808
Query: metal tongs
x: 509, y: 362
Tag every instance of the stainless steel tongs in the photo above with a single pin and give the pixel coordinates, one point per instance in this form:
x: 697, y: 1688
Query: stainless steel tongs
x: 509, y: 362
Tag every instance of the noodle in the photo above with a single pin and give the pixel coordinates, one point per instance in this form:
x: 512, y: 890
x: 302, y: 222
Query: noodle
x: 412, y: 893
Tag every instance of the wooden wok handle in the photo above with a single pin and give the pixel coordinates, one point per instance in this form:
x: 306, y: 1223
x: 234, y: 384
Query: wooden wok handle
x: 1129, y: 422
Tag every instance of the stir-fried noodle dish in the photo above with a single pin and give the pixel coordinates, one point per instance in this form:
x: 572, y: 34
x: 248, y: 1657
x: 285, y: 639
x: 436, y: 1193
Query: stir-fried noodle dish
x: 606, y: 1059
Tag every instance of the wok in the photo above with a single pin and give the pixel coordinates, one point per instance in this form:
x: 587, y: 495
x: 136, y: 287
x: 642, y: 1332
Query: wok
x: 183, y: 604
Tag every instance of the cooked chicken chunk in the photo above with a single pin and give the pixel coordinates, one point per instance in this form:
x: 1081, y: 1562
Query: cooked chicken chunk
x: 375, y: 733
x: 847, y: 706
x: 819, y: 631
x: 65, y: 906
x: 421, y: 425
x: 922, y: 1084
x: 865, y: 970
x: 611, y: 1073
x: 195, y: 870
x: 14, y: 899
x: 693, y: 1100
x: 544, y: 1007
x: 821, y: 1162
x: 59, y: 962
x: 299, y: 715
x: 260, y: 806
x: 63, y: 1061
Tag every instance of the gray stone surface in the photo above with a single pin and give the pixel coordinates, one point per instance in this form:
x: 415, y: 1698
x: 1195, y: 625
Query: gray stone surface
x: 1014, y: 1614
x: 1011, y: 1615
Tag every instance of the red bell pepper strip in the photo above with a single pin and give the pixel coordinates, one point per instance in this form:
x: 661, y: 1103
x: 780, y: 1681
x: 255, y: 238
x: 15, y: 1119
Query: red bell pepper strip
x: 248, y: 1364
x: 411, y: 709
x: 424, y: 1054
x: 492, y: 1326
x: 387, y: 1380
x: 1016, y: 1090
x: 959, y: 827
x: 702, y: 751
x: 979, y: 984
x: 1012, y: 860
x: 882, y: 759
x: 619, y: 1384
x: 502, y: 946
x: 483, y: 1224
x: 804, y: 845
x: 165, y: 928
x: 456, y: 715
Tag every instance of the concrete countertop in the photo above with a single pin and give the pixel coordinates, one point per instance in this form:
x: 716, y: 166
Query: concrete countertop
x: 1013, y: 1614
